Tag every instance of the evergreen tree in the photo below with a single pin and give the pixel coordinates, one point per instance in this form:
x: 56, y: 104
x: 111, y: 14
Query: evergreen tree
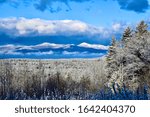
x: 126, y: 36
x: 112, y: 49
x: 141, y: 29
x: 111, y: 64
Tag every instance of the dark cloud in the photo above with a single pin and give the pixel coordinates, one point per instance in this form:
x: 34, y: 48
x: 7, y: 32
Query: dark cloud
x: 14, y: 3
x: 3, y: 1
x: 43, y: 5
x: 139, y: 6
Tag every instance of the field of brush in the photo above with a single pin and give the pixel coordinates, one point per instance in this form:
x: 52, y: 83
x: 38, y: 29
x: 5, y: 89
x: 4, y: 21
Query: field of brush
x: 76, y: 69
x: 57, y: 79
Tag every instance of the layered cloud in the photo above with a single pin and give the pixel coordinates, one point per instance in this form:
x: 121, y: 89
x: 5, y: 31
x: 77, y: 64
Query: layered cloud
x: 138, y: 6
x: 51, y: 49
x: 50, y: 45
x: 6, y: 49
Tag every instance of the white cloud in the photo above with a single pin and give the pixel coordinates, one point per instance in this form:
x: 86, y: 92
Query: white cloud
x: 36, y: 27
x: 40, y: 53
x: 119, y: 26
x: 10, y: 52
x: 116, y: 26
x: 70, y: 53
x: 52, y: 45
x: 23, y: 26
x: 94, y: 46
x: 8, y: 49
x: 81, y: 54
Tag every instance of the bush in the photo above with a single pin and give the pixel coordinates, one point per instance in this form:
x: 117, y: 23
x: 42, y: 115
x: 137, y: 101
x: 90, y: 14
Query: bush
x: 119, y: 93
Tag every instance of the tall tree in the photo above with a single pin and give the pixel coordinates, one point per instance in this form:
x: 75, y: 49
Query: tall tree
x: 112, y: 49
x: 141, y: 29
x: 126, y: 36
x: 111, y: 58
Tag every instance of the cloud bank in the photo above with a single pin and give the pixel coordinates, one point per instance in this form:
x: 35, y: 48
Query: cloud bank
x: 38, y: 27
x: 24, y: 27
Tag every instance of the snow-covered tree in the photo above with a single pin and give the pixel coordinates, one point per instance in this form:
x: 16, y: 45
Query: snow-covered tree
x: 111, y: 58
x: 138, y: 58
x: 141, y: 29
x: 126, y: 36
x: 132, y: 60
x: 112, y: 49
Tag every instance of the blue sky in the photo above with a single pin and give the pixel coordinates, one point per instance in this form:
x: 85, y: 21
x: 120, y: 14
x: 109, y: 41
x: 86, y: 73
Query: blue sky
x: 65, y: 28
